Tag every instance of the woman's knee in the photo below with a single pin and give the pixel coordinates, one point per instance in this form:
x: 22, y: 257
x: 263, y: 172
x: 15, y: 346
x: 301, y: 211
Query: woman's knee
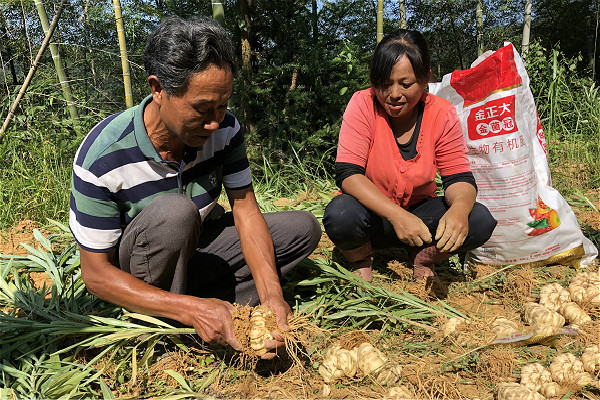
x: 481, y: 225
x: 346, y: 221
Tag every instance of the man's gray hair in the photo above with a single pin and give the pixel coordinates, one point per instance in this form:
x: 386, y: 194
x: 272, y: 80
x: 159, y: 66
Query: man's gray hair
x: 180, y: 47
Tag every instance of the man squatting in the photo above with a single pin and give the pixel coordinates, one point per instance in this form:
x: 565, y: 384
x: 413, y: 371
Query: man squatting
x: 144, y: 195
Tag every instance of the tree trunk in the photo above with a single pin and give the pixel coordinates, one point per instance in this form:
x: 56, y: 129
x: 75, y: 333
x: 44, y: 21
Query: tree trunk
x: 592, y: 37
x: 314, y: 20
x: 123, y: 51
x: 25, y: 38
x: 8, y: 52
x: 58, y: 64
x: 480, y: 48
x: 88, y: 43
x: 218, y: 12
x: 245, y: 30
x: 294, y: 78
x: 379, y: 20
x: 403, y: 24
x: 526, y: 28
x: 456, y: 35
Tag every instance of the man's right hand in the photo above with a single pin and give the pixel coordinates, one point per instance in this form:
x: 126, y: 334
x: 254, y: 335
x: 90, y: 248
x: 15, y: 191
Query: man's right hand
x: 210, y: 317
x: 212, y: 320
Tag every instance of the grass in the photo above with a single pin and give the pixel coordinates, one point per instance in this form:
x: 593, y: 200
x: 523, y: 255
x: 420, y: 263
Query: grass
x: 569, y: 109
x: 34, y: 179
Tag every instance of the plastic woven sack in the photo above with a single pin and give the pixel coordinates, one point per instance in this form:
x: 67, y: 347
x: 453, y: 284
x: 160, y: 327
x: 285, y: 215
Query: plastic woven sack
x: 507, y: 152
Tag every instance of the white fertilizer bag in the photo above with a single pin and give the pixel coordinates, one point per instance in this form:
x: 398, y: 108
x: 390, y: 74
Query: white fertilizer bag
x: 507, y: 152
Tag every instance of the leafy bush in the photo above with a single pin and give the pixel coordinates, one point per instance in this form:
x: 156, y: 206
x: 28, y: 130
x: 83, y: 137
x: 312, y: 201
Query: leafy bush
x: 569, y: 109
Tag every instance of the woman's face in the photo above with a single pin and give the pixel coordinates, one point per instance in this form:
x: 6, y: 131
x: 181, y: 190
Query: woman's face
x: 401, y: 91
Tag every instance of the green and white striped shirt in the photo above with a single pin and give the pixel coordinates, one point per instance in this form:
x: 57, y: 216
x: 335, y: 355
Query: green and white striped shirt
x: 117, y: 172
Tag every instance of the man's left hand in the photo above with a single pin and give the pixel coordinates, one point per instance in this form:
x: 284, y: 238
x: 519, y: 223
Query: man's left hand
x: 282, y: 312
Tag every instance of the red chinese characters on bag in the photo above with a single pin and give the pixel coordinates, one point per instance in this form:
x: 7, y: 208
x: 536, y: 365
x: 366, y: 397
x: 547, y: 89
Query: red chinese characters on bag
x: 494, y: 118
x: 540, y: 134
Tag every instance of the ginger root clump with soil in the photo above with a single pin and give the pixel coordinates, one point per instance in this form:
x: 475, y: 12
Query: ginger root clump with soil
x: 339, y: 363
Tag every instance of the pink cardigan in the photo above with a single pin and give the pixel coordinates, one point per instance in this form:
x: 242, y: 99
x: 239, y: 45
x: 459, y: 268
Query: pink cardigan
x: 366, y: 139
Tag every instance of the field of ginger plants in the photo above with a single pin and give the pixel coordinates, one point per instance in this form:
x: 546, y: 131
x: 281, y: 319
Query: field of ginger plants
x: 392, y: 338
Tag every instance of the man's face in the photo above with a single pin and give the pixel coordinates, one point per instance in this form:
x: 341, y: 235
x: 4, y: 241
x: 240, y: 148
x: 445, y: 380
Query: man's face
x: 195, y: 115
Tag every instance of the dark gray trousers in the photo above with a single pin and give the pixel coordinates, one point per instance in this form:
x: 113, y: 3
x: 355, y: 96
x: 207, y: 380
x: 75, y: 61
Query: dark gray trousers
x: 168, y: 246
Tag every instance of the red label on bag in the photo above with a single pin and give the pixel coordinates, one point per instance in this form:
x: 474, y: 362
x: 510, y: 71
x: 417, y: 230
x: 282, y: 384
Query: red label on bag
x: 494, y: 118
x: 495, y: 73
x: 540, y: 134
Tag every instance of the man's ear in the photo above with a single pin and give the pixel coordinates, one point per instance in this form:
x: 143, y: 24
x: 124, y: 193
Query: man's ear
x: 156, y: 89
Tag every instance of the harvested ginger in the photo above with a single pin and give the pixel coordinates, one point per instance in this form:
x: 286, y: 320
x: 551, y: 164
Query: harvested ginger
x: 591, y: 359
x: 553, y: 295
x: 516, y: 391
x: 339, y: 363
x: 534, y: 376
x: 585, y: 288
x: 537, y: 314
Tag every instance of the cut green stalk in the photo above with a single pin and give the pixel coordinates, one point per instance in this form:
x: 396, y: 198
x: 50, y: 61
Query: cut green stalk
x: 364, y: 303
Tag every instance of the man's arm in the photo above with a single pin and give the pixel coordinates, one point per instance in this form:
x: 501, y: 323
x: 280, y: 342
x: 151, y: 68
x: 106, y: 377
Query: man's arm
x: 210, y: 317
x: 257, y: 247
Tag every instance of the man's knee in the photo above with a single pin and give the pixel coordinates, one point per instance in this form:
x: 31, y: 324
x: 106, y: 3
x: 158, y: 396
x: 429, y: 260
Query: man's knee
x: 175, y: 210
x: 309, y: 227
x: 298, y: 229
x: 160, y: 240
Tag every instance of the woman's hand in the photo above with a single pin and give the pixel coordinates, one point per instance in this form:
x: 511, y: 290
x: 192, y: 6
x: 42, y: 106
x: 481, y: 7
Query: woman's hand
x: 410, y: 229
x: 452, y: 229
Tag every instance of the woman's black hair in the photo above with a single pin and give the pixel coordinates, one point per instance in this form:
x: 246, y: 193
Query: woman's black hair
x: 400, y: 43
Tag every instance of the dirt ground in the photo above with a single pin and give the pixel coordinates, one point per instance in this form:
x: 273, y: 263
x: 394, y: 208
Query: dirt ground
x: 435, y: 365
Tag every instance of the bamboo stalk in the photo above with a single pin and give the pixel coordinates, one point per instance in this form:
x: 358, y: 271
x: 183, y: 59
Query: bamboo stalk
x: 379, y: 20
x: 123, y: 51
x: 58, y: 64
x: 33, y: 68
x: 217, y: 12
x: 526, y: 28
x: 479, y: 13
x: 403, y: 23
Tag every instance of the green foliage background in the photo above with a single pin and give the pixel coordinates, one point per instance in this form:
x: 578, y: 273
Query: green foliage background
x: 307, y: 59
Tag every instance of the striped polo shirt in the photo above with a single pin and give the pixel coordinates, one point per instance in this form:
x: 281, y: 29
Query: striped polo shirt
x: 117, y: 172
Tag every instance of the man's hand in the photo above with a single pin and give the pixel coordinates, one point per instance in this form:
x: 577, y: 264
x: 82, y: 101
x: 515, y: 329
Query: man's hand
x: 212, y: 320
x: 257, y: 247
x: 282, y: 312
x: 410, y: 229
x: 210, y: 317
